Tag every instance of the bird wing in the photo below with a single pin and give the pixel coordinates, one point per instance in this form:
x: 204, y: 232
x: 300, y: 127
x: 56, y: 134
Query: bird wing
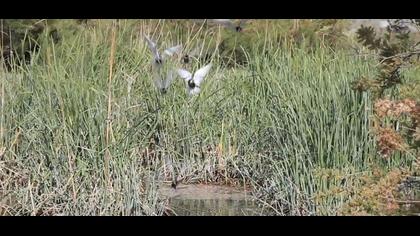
x: 152, y: 46
x: 184, y: 74
x: 173, y: 50
x: 201, y: 73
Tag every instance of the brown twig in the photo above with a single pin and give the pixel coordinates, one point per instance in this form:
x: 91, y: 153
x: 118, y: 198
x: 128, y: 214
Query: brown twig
x: 108, y: 120
x: 404, y: 56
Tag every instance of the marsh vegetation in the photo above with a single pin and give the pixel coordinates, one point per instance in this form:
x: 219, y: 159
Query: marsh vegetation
x: 84, y: 131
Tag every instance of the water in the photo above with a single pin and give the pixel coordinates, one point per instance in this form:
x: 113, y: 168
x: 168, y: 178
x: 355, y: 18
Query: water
x: 210, y: 200
x: 410, y: 190
x: 214, y: 207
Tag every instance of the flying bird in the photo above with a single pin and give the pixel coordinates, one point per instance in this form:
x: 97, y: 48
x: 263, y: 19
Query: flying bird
x: 162, y: 73
x: 194, y: 80
x: 158, y: 59
x: 238, y: 27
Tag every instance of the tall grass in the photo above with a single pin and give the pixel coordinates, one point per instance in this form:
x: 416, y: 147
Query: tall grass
x: 275, y: 123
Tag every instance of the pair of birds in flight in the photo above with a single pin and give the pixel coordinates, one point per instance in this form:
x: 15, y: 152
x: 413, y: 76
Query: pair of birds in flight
x: 163, y: 76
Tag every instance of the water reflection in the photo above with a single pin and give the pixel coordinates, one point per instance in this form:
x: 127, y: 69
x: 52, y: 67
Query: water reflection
x: 211, y: 200
x: 215, y: 207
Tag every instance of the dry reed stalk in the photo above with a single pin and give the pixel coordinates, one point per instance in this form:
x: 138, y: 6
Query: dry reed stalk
x: 108, y: 120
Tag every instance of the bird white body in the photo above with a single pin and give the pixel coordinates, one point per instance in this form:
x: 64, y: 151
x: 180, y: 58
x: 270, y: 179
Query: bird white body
x: 193, y: 81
